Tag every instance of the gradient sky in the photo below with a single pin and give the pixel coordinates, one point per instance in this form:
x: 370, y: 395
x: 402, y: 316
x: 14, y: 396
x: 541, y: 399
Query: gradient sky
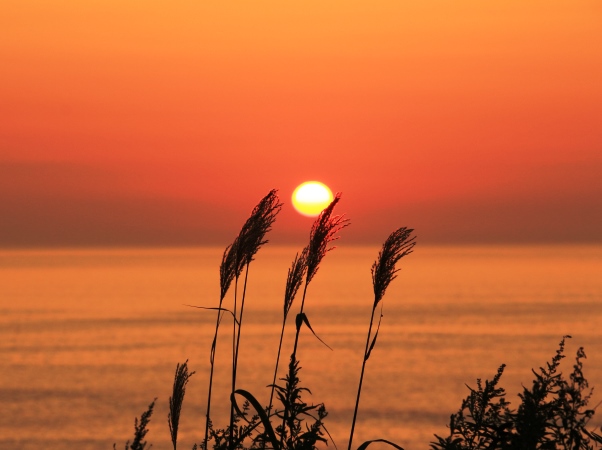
x: 150, y: 122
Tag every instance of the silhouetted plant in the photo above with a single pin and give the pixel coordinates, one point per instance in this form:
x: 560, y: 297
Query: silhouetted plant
x: 236, y: 257
x: 384, y: 270
x: 175, y: 401
x: 552, y: 414
x: 296, y: 412
x: 323, y: 231
x: 293, y: 282
x: 140, y: 430
x: 250, y: 240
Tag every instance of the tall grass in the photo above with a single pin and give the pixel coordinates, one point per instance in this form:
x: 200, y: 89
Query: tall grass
x: 384, y: 270
x: 553, y: 414
x: 177, y: 399
x: 238, y: 256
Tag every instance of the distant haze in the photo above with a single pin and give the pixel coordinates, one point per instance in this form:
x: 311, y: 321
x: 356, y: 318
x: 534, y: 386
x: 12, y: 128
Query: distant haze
x: 136, y: 123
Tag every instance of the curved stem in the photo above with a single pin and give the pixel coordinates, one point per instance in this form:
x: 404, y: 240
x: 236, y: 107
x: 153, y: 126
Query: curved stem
x: 212, y: 363
x: 276, y: 368
x: 236, y: 345
x: 359, y: 388
x: 231, y: 435
x: 242, y: 307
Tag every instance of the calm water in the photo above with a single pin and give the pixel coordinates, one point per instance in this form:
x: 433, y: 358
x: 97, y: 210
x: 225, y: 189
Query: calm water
x: 89, y: 337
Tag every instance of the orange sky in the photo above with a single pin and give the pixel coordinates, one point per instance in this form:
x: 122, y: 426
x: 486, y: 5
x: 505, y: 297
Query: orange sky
x: 153, y: 122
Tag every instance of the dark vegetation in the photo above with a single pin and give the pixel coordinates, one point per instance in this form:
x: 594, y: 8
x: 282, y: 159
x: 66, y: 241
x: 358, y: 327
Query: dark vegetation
x: 553, y: 413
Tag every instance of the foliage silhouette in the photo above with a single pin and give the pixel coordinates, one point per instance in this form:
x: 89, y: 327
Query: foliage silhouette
x: 552, y: 413
x: 140, y: 430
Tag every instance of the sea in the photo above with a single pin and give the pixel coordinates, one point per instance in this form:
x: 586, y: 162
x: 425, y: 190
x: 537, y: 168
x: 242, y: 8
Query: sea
x: 90, y: 337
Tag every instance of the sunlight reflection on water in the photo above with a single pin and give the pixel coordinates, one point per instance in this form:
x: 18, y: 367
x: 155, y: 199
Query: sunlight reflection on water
x: 89, y: 337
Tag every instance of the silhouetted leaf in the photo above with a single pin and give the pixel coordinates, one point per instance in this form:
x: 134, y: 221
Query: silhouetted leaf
x: 367, y: 443
x: 302, y: 319
x: 269, y: 431
x: 374, y: 339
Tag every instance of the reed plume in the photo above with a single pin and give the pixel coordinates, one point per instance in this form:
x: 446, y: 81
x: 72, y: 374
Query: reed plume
x: 175, y: 401
x: 323, y: 231
x: 235, y: 258
x: 399, y: 244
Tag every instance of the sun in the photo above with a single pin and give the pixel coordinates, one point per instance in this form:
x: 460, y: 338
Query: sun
x: 311, y: 197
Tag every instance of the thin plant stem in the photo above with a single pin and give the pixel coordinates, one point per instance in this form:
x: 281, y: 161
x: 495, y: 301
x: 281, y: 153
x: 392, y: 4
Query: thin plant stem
x: 323, y: 231
x: 292, y: 362
x: 236, y: 346
x: 212, y: 364
x: 298, y: 327
x: 359, y: 389
x: 399, y: 244
x: 238, y: 254
x: 276, y: 368
x: 242, y: 307
x: 234, y: 333
x: 231, y: 434
x: 294, y: 280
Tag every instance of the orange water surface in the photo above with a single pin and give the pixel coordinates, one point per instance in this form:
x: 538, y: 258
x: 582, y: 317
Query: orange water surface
x: 89, y: 337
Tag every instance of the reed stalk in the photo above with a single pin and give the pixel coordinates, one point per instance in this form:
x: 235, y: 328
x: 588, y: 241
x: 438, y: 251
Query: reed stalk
x: 399, y: 244
x: 227, y: 274
x: 295, y: 277
x: 236, y: 256
x: 323, y: 231
x: 175, y: 401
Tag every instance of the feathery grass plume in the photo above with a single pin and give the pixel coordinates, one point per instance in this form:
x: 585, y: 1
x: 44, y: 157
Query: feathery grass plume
x: 294, y: 279
x: 236, y: 256
x: 140, y: 430
x: 249, y: 241
x: 252, y: 234
x: 323, y: 231
x: 175, y: 402
x: 293, y: 282
x: 246, y: 245
x: 399, y: 244
x: 227, y: 269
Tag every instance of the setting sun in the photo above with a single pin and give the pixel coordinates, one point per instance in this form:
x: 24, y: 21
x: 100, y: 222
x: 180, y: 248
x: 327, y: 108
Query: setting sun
x: 311, y: 197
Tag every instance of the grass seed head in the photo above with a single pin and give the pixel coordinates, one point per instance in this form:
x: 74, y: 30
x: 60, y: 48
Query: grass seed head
x: 294, y: 279
x: 175, y: 402
x: 227, y: 269
x: 252, y: 234
x: 323, y: 231
x: 399, y: 244
x: 249, y: 240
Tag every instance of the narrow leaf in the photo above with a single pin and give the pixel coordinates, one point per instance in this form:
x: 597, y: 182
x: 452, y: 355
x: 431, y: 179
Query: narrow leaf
x: 215, y: 308
x: 302, y: 318
x: 374, y: 339
x: 269, y: 431
x: 367, y: 443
